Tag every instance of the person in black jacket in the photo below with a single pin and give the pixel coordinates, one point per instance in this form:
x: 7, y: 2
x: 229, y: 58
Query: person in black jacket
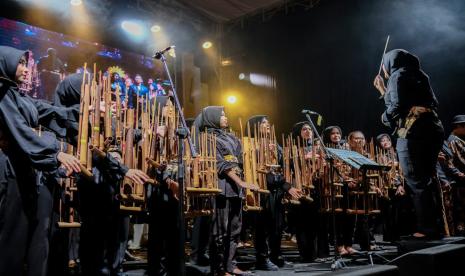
x: 270, y: 221
x: 104, y: 229
x: 227, y: 218
x: 23, y: 152
x: 411, y: 107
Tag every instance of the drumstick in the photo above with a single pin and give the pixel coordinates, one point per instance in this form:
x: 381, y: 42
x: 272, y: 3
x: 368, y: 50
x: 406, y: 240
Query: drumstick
x: 384, y: 52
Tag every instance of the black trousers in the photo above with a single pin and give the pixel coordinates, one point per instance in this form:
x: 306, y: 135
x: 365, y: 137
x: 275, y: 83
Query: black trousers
x: 104, y: 230
x: 306, y: 226
x: 25, y: 219
x: 200, y: 237
x: 13, y: 228
x: 417, y: 159
x: 225, y: 232
x: 163, y: 245
x: 269, y: 226
x: 39, y: 229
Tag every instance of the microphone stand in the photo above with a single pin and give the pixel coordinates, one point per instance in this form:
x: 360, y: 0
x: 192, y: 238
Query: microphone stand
x: 182, y: 132
x: 337, y: 262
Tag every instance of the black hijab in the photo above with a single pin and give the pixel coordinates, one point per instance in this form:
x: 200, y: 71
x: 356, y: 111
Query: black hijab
x: 253, y: 122
x: 297, y: 128
x: 210, y: 117
x: 68, y: 91
x: 408, y: 82
x: 400, y: 59
x: 9, y: 60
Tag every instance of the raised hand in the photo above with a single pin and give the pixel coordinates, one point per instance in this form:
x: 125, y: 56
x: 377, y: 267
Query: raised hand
x: 379, y: 84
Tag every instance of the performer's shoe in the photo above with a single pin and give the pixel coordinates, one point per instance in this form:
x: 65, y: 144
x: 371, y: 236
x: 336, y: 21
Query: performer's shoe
x: 238, y: 272
x: 342, y: 251
x: 350, y: 250
x: 129, y: 257
x: 266, y: 265
x: 280, y: 262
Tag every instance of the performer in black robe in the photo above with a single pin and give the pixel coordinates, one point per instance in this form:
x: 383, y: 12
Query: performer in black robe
x: 411, y: 107
x: 104, y: 229
x: 23, y: 151
x: 270, y: 220
x: 163, y: 207
x: 227, y: 219
x: 201, y: 228
x: 311, y: 225
x: 344, y: 226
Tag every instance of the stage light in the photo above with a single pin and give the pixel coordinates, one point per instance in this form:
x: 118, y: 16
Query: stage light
x: 242, y: 76
x: 132, y: 27
x: 232, y: 99
x: 262, y: 80
x: 75, y: 2
x: 207, y: 44
x: 155, y: 29
x: 226, y: 62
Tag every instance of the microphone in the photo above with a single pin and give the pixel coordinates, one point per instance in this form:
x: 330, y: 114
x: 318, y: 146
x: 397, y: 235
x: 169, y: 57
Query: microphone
x: 306, y: 111
x: 158, y: 54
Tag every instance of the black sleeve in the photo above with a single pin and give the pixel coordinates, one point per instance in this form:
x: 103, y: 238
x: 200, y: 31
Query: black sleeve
x: 42, y: 150
x: 223, y: 161
x: 58, y: 119
x: 111, y: 167
x: 393, y: 100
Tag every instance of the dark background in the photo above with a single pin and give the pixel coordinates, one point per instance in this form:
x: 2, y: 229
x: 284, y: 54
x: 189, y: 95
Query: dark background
x: 325, y: 59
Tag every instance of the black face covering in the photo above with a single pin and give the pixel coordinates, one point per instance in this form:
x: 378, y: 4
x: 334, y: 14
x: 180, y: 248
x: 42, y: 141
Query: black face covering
x: 400, y: 59
x: 211, y: 116
x: 253, y: 122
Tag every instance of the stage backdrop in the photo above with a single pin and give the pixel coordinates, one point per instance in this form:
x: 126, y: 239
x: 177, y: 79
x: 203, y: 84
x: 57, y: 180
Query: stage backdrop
x: 74, y: 52
x: 325, y: 58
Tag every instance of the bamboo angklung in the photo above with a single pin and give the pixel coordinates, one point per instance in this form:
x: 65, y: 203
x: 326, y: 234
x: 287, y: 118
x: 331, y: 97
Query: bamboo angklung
x: 83, y: 134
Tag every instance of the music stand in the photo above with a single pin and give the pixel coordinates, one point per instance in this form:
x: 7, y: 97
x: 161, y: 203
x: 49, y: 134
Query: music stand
x: 363, y: 164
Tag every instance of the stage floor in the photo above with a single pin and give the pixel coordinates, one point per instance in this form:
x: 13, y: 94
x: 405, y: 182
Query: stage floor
x: 246, y: 259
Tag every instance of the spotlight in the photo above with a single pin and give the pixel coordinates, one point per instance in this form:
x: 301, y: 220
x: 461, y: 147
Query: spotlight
x: 133, y: 28
x: 75, y: 2
x: 155, y: 29
x: 226, y: 62
x: 232, y: 99
x: 242, y: 76
x: 207, y: 44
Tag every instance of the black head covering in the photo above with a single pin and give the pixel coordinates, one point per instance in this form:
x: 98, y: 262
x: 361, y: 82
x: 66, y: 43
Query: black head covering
x: 68, y: 91
x: 399, y: 58
x: 161, y: 101
x: 190, y: 122
x: 327, y: 134
x: 297, y: 128
x: 253, y: 122
x: 51, y: 52
x: 9, y: 60
x: 210, y: 117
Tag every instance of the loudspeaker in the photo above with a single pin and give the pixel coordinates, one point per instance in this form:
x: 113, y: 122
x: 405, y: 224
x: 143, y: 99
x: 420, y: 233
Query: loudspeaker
x: 447, y: 259
x: 378, y: 270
